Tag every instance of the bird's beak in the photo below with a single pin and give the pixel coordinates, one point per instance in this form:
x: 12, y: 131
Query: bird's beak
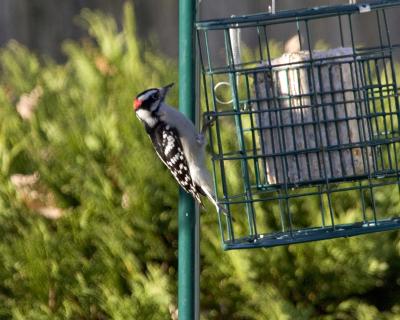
x: 164, y: 90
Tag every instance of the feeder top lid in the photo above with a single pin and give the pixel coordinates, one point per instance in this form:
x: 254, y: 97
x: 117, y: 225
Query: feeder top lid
x: 266, y: 18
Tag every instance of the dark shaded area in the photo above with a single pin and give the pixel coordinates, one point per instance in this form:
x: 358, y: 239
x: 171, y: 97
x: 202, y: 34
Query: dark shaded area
x: 43, y: 25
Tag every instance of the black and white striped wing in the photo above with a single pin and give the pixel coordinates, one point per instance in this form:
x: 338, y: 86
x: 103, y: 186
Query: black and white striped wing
x: 169, y: 148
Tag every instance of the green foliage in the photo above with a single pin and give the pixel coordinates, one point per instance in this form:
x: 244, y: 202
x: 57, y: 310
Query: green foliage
x: 113, y: 253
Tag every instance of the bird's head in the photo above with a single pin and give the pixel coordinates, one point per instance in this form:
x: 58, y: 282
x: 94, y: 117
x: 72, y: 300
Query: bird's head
x: 148, y: 102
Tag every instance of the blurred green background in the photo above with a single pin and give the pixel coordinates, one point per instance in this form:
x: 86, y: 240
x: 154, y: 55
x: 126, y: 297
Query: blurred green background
x: 88, y: 214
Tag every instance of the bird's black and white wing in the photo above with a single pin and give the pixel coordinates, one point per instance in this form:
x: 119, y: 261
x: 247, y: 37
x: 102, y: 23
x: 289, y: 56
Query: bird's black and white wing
x: 169, y: 148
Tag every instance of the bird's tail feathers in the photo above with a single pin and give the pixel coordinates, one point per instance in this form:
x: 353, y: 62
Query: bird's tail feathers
x: 218, y: 206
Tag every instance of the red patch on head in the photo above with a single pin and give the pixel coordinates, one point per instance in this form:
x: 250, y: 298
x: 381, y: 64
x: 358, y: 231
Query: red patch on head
x: 136, y: 104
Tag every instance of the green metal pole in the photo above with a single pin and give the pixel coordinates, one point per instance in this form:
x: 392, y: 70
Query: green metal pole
x: 187, y: 214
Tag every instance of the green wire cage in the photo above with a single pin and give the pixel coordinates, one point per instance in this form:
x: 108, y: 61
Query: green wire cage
x: 305, y: 144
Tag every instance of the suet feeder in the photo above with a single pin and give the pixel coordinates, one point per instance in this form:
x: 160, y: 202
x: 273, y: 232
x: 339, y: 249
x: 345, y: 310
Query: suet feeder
x: 306, y: 140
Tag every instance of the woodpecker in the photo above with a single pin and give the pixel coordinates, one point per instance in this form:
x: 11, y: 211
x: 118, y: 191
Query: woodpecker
x: 176, y: 142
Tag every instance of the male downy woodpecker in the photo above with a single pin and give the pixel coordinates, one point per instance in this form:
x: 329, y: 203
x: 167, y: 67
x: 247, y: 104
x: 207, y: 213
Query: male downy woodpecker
x: 176, y: 142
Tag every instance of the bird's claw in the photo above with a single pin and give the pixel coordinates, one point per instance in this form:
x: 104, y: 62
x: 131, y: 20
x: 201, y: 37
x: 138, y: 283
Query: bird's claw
x: 209, y: 119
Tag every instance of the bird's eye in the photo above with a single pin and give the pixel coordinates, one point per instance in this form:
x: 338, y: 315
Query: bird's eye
x: 156, y: 96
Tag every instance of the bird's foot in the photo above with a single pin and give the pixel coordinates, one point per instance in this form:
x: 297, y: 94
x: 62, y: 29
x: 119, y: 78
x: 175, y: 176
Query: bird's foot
x: 209, y: 119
